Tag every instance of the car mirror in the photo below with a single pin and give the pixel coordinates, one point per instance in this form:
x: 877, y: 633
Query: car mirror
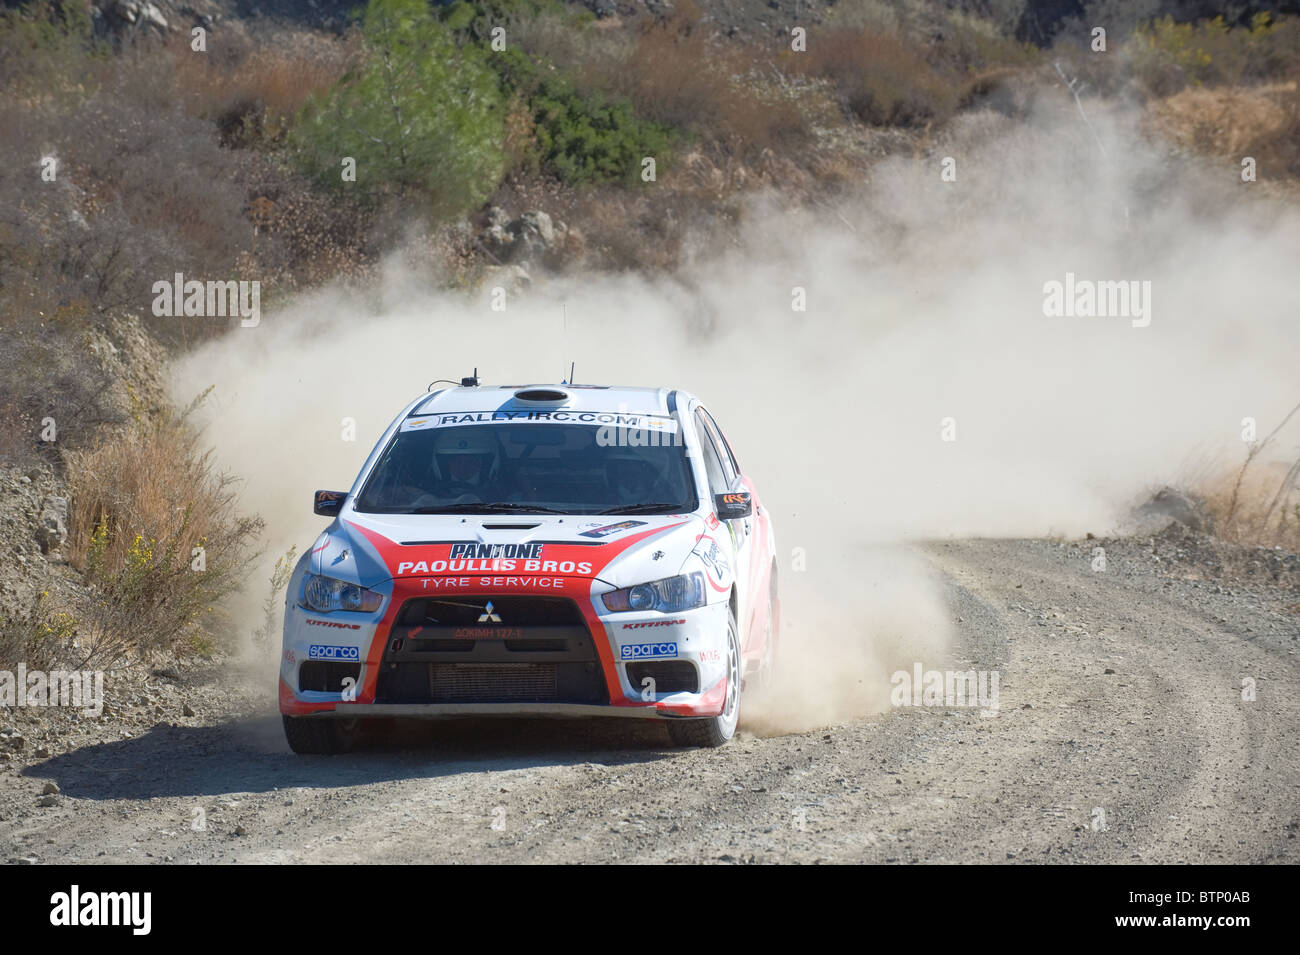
x: 329, y: 503
x: 733, y: 505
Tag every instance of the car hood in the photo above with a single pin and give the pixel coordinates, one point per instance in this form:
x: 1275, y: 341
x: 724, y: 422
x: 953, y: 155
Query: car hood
x: 619, y: 550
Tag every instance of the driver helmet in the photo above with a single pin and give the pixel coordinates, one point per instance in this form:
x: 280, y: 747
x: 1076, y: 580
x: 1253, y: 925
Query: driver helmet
x: 466, y: 456
x: 629, y: 474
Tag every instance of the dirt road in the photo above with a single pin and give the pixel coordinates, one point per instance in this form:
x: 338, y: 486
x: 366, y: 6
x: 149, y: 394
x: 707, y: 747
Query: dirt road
x: 1121, y: 736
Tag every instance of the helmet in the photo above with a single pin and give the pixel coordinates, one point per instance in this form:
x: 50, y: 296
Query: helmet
x: 628, y: 472
x: 455, y: 448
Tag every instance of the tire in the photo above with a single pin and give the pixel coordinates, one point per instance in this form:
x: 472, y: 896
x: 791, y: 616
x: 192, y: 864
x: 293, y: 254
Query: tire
x: 716, y: 730
x: 319, y: 736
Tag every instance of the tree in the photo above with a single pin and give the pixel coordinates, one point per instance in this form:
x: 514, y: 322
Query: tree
x: 419, y: 113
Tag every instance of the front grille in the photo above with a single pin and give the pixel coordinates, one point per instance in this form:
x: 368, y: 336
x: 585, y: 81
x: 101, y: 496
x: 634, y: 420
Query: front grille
x: 670, y: 676
x: 514, y: 611
x: 493, y: 682
x: 540, y: 652
x: 326, y: 676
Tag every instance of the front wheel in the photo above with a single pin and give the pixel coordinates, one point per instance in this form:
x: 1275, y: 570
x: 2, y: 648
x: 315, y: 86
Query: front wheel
x: 715, y: 730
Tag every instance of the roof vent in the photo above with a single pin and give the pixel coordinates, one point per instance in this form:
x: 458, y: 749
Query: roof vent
x: 548, y: 396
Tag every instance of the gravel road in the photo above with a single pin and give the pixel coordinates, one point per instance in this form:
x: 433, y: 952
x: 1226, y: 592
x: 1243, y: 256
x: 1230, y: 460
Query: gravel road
x: 1121, y: 735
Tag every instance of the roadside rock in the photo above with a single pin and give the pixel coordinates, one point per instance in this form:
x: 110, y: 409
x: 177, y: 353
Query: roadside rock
x: 1171, y: 505
x: 532, y: 237
x: 52, y: 531
x: 135, y: 13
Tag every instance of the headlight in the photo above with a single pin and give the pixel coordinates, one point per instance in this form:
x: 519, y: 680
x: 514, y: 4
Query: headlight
x: 325, y: 594
x: 670, y: 595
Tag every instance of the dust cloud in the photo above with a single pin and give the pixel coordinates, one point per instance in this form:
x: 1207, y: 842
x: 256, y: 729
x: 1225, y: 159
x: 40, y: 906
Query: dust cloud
x: 924, y: 321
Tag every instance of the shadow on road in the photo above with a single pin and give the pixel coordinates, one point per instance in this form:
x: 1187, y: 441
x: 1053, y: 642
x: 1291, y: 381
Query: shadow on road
x: 251, y: 756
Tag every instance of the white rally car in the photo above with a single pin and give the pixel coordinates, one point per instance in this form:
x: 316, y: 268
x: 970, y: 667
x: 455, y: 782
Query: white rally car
x: 558, y: 550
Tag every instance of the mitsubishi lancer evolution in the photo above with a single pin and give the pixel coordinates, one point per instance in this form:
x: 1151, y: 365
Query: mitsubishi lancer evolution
x: 535, y: 550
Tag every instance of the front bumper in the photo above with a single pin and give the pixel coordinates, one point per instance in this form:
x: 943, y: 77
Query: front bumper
x: 592, y: 663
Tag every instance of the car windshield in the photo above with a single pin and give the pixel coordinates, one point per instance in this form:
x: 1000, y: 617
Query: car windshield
x: 534, y: 468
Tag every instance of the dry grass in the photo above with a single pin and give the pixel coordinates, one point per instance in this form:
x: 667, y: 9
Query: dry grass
x: 1257, y: 503
x: 881, y: 78
x: 1259, y: 121
x: 254, y: 97
x: 730, y: 96
x: 157, y: 531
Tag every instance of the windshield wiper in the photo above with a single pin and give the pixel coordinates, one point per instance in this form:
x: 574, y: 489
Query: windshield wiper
x: 643, y: 508
x: 475, y: 507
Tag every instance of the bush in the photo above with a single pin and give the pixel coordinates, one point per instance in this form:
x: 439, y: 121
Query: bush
x: 882, y: 79
x: 43, y: 639
x: 158, y: 534
x: 419, y: 114
x: 1166, y: 56
x: 723, y: 93
x: 254, y: 95
x: 581, y: 138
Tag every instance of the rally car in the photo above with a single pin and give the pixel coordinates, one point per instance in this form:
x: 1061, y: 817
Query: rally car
x: 548, y: 550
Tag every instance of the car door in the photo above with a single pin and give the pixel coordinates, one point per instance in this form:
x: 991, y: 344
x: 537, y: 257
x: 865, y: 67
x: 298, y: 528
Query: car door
x: 724, y: 477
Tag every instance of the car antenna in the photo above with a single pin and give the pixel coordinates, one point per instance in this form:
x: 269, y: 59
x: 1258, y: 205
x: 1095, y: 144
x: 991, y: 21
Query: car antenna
x: 572, y: 365
x: 470, y: 382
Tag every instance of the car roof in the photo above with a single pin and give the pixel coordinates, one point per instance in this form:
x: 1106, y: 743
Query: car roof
x: 660, y: 401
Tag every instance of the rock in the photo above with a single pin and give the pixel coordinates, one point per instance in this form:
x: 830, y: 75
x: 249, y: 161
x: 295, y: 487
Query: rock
x: 52, y: 532
x: 1171, y: 505
x: 533, y: 237
x: 47, y: 801
x: 139, y: 13
x: 51, y: 788
x: 497, y: 241
x: 42, y: 752
x: 534, y: 224
x: 187, y: 710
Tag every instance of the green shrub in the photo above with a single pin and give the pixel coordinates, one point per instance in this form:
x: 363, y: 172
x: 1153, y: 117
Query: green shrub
x: 419, y: 114
x: 582, y: 138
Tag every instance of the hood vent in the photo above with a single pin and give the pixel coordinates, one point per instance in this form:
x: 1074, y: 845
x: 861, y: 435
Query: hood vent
x: 542, y: 396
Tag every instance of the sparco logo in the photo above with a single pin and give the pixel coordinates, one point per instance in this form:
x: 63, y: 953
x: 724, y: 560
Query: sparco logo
x: 489, y: 614
x: 320, y: 652
x: 649, y: 651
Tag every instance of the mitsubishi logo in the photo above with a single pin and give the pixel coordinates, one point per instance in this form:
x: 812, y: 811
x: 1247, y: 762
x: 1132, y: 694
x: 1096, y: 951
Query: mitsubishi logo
x: 489, y: 614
